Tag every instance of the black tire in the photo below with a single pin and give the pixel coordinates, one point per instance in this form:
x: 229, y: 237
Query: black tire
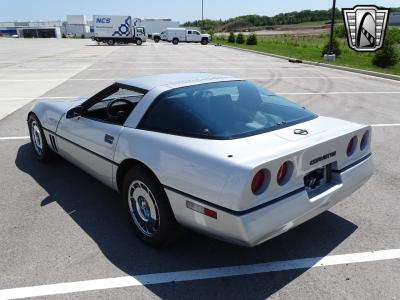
x: 204, y: 41
x: 110, y: 42
x: 139, y: 42
x: 160, y: 226
x: 156, y: 39
x: 41, y: 149
x: 175, y: 41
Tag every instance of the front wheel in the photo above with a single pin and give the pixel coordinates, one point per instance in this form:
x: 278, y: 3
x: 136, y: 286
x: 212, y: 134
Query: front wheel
x: 148, y: 207
x: 204, y: 41
x: 110, y: 42
x: 38, y: 140
x: 156, y: 39
x: 139, y: 42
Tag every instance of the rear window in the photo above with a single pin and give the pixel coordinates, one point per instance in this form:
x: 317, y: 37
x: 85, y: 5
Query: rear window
x: 222, y: 110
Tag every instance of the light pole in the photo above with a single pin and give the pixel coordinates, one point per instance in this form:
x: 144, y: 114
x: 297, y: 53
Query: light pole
x: 330, y: 56
x: 332, y: 26
x: 202, y: 14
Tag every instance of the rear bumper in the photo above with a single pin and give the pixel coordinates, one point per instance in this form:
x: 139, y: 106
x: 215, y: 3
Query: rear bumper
x: 258, y: 226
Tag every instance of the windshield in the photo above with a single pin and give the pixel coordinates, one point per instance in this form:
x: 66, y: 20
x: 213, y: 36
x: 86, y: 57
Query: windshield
x: 222, y: 110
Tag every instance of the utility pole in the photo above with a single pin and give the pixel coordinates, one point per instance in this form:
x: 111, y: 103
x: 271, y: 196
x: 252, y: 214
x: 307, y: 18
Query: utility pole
x: 332, y: 26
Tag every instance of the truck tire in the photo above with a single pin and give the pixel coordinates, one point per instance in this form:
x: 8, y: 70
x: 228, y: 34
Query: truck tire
x: 139, y: 42
x: 175, y: 41
x: 156, y: 39
x: 204, y: 41
x: 110, y: 42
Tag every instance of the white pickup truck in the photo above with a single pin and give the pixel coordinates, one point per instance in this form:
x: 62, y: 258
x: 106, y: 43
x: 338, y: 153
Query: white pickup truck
x: 177, y: 35
x: 117, y: 29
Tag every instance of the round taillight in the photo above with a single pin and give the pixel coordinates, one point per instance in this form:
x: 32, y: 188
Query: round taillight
x: 258, y: 182
x: 364, y: 140
x: 283, y: 173
x: 351, y: 147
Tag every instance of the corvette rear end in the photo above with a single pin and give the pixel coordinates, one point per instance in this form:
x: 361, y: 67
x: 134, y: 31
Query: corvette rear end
x: 281, y: 179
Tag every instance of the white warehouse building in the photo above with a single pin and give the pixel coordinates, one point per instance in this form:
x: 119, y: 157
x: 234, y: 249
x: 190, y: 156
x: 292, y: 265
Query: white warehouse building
x: 75, y: 25
x: 156, y: 25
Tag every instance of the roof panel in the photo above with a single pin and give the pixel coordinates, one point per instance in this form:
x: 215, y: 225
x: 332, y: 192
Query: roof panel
x: 173, y: 79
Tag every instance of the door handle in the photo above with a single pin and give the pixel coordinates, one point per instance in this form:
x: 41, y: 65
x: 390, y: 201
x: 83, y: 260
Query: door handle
x: 108, y: 138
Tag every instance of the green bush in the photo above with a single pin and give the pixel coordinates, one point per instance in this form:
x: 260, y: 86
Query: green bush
x: 231, y: 38
x: 240, y: 39
x: 251, y: 39
x: 335, y: 48
x: 82, y: 36
x: 63, y: 36
x: 387, y: 56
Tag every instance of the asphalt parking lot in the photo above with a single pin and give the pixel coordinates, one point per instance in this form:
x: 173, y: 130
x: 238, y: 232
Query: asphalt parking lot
x: 58, y: 225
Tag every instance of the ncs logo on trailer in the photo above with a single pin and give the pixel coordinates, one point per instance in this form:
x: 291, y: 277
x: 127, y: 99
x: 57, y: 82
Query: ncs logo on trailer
x: 103, y: 20
x: 365, y: 27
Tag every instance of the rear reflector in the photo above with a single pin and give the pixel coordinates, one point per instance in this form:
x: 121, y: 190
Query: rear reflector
x: 201, y: 209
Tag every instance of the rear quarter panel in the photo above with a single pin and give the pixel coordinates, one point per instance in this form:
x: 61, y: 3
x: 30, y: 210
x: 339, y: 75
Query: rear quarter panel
x: 177, y: 163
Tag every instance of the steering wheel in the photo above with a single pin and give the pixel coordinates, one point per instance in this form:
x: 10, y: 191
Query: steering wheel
x: 118, y: 115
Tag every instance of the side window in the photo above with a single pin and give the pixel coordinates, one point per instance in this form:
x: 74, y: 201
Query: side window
x: 173, y: 113
x: 196, y: 32
x: 189, y: 32
x: 115, y: 106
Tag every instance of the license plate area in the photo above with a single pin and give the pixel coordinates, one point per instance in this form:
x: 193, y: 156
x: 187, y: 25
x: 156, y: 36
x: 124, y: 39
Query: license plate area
x: 318, y: 179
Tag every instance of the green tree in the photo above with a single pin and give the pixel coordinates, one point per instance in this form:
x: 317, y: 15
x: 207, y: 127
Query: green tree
x: 251, y: 39
x: 240, y: 39
x: 231, y: 38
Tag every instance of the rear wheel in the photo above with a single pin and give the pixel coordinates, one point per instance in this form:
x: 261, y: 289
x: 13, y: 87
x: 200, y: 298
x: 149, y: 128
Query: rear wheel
x: 156, y: 39
x: 110, y: 42
x: 38, y: 140
x: 139, y: 42
x: 148, y: 207
x: 175, y: 41
x: 204, y: 41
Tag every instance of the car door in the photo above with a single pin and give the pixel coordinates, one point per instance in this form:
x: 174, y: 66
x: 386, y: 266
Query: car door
x: 89, y: 139
x: 196, y: 36
x: 189, y: 35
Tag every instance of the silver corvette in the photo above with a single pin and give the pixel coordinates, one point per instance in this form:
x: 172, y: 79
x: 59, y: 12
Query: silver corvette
x: 213, y: 153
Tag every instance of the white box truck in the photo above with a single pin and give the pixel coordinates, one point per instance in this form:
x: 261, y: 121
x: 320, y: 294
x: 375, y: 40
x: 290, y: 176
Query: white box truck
x: 117, y: 29
x: 177, y: 35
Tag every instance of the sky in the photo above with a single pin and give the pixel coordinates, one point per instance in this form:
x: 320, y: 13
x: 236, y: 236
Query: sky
x: 178, y: 10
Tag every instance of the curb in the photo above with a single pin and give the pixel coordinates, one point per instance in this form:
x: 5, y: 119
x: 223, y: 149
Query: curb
x: 313, y: 63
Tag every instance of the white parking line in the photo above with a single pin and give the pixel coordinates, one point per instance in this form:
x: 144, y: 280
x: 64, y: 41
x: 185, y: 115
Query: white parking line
x: 338, y: 93
x: 385, y: 125
x: 33, y: 98
x: 7, y: 138
x: 201, y: 274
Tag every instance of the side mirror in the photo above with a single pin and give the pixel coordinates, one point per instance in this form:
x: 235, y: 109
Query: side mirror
x: 75, y: 112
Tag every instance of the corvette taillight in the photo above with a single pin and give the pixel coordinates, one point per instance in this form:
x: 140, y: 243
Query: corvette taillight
x: 364, y: 140
x: 283, y: 175
x: 351, y: 147
x: 258, y: 182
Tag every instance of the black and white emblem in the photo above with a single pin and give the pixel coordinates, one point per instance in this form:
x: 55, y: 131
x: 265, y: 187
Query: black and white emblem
x: 365, y: 27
